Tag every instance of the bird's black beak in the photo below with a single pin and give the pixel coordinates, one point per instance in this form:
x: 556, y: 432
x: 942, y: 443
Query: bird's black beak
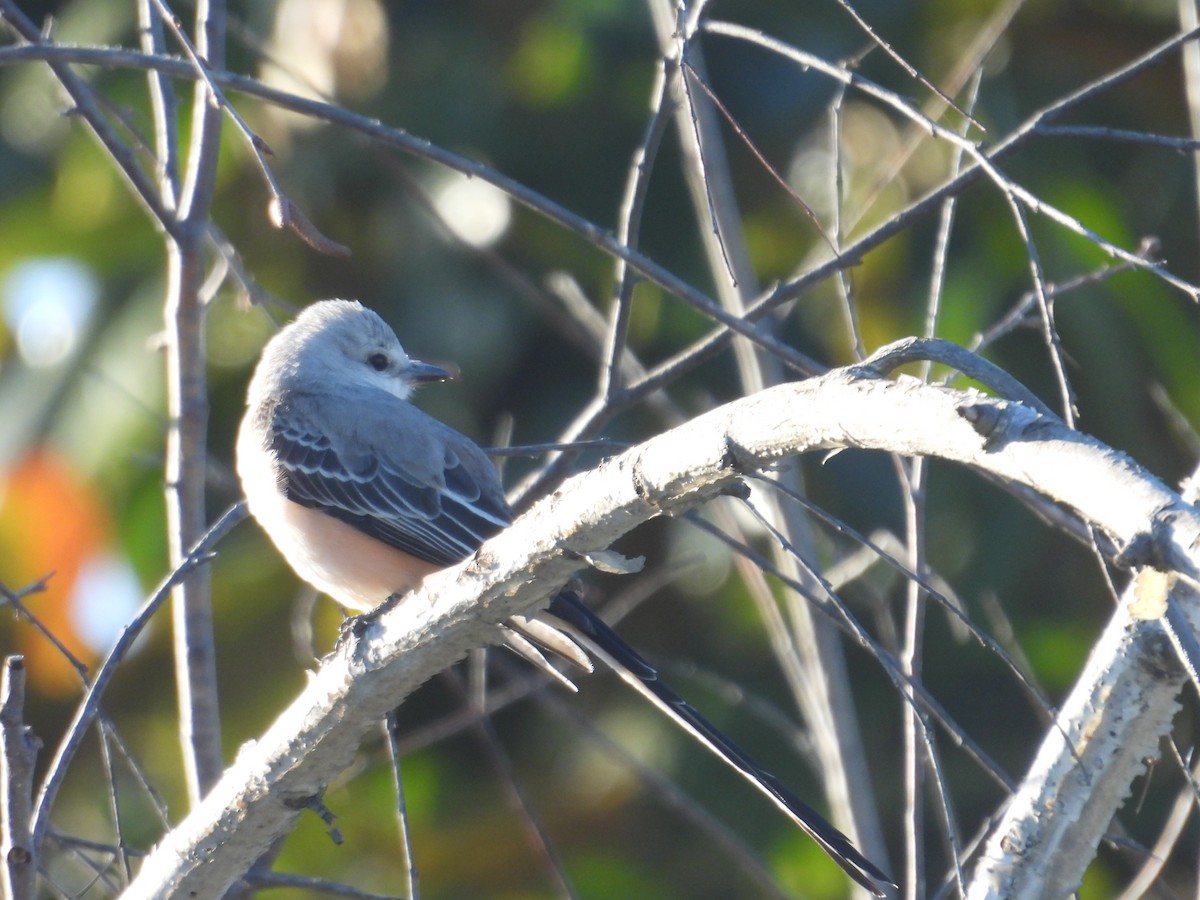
x: 423, y: 372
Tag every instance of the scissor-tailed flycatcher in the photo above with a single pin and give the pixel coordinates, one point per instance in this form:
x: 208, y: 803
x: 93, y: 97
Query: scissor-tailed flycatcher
x: 365, y: 495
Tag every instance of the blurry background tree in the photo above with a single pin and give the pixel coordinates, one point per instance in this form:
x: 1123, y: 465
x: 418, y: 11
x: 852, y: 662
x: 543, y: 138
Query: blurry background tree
x: 562, y: 102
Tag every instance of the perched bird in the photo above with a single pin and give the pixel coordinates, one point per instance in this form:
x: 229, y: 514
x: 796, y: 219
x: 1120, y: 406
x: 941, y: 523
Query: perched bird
x: 365, y: 495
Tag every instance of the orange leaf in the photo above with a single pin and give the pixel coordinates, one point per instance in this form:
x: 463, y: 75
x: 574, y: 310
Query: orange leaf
x: 50, y: 521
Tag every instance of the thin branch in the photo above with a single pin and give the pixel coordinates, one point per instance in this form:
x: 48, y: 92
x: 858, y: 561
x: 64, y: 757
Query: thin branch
x: 535, y: 833
x: 164, y: 108
x: 1046, y: 308
x: 16, y: 599
x: 821, y: 683
x: 992, y: 31
x: 698, y: 79
x: 1106, y: 133
x: 18, y: 758
x: 88, y: 109
x: 773, y: 297
x: 629, y: 219
x: 89, y: 707
x: 187, y: 434
x: 985, y: 162
x: 139, y: 776
x: 216, y: 99
x: 842, y: 279
x: 108, y: 734
x: 121, y: 856
x: 311, y: 887
x: 670, y: 793
x: 1020, y: 314
x: 917, y: 741
x: 283, y: 213
x: 404, y: 142
x: 391, y: 729
x: 1173, y: 829
x: 912, y: 71
x: 1189, y: 21
x: 838, y: 615
x: 700, y: 171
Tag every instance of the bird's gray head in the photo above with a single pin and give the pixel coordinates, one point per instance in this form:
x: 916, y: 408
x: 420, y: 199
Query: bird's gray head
x: 342, y: 342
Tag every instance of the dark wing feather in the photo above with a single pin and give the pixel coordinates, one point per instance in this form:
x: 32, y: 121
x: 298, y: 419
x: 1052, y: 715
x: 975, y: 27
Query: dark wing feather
x: 402, y: 477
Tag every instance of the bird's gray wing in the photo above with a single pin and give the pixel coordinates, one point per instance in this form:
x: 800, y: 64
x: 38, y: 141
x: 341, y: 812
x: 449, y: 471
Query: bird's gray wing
x: 396, y: 473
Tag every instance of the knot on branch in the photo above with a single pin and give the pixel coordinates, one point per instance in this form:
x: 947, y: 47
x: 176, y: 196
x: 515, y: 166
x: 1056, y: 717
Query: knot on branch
x: 999, y: 422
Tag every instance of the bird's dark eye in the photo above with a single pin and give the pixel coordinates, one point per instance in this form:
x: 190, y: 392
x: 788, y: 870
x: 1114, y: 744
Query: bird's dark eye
x: 378, y: 361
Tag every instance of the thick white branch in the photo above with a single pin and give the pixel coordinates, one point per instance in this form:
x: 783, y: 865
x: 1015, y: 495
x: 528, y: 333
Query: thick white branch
x: 1110, y: 724
x: 274, y: 779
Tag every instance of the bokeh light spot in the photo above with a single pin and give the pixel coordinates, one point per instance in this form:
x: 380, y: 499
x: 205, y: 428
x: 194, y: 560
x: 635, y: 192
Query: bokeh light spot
x: 474, y: 210
x: 104, y: 597
x: 47, y: 303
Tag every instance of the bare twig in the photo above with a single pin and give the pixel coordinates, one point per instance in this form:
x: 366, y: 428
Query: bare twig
x: 406, y: 143
x: 1189, y: 21
x: 164, y: 105
x: 89, y: 111
x: 770, y: 169
x: 535, y: 833
x: 629, y: 221
x: 408, y: 865
x: 670, y: 793
x: 282, y: 212
x: 89, y: 708
x: 1021, y: 312
x: 1046, y: 308
x: 18, y: 757
x: 985, y: 162
x: 187, y: 434
x: 114, y: 808
x: 811, y: 650
x: 912, y: 70
x: 842, y: 279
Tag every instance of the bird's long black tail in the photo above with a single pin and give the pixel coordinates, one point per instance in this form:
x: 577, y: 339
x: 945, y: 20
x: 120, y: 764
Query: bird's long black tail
x: 601, y: 641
